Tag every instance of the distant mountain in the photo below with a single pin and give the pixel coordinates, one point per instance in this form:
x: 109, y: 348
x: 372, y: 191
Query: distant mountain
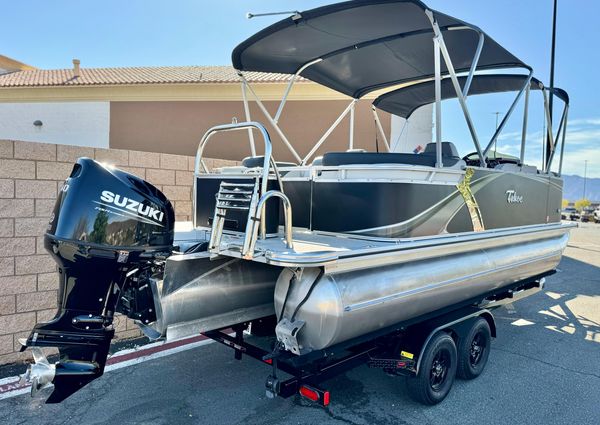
x: 573, y: 188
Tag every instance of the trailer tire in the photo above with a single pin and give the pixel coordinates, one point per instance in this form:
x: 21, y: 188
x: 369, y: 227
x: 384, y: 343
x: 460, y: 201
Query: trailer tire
x: 436, y: 372
x: 474, y: 350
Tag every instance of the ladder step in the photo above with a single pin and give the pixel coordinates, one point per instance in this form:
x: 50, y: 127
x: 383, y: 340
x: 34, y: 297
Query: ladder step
x: 232, y: 197
x: 232, y: 207
x: 223, y: 184
x: 236, y: 192
x: 226, y: 199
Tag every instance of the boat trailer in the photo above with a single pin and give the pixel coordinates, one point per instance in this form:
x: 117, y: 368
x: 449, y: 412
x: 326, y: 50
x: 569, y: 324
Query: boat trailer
x: 404, y: 349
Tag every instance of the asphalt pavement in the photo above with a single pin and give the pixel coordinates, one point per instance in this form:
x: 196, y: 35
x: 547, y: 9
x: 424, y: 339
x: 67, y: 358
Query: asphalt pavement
x: 544, y: 368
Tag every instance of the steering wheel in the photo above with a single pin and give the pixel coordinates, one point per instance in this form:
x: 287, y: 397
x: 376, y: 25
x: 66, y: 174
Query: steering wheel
x: 472, y: 159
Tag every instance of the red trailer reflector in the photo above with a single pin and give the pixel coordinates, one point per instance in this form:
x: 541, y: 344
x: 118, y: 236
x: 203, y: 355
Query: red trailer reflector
x: 269, y: 361
x: 326, y: 398
x: 309, y: 393
x: 315, y: 394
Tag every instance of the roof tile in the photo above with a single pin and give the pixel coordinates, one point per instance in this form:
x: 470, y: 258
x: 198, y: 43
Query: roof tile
x: 135, y: 75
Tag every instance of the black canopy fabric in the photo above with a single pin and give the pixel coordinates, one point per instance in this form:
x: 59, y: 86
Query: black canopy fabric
x: 366, y: 45
x: 404, y: 101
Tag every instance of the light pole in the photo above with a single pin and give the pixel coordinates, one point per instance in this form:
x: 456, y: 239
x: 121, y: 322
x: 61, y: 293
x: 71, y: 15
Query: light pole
x: 550, y: 103
x: 584, y: 176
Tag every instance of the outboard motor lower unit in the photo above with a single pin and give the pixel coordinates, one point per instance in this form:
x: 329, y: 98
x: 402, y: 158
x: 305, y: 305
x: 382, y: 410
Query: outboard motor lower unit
x: 109, y: 231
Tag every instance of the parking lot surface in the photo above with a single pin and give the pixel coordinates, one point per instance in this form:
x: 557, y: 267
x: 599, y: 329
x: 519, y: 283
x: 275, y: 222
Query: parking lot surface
x: 544, y: 368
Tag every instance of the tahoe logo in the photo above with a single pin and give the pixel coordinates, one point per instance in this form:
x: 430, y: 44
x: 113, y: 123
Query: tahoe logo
x: 513, y: 198
x: 131, y: 205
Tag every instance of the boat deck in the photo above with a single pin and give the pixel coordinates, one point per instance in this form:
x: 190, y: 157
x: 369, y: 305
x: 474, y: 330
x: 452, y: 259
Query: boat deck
x: 342, y: 251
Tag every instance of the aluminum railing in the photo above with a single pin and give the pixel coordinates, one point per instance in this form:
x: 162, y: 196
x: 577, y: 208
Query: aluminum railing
x: 256, y: 212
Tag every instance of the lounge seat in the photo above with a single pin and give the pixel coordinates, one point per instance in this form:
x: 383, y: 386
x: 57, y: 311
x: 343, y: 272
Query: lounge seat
x: 258, y: 161
x: 427, y: 158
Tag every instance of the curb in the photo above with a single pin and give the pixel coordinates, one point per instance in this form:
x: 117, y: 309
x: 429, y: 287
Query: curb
x: 10, y: 387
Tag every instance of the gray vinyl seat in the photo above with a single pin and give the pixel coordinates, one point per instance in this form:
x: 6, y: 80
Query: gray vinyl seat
x: 258, y: 161
x: 450, y: 157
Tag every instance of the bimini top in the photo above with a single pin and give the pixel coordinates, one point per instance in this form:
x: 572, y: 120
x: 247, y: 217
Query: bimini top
x: 365, y: 45
x: 405, y: 100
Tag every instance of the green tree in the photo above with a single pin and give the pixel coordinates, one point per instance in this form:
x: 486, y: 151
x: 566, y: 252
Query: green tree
x: 98, y: 235
x: 565, y: 203
x: 582, y: 203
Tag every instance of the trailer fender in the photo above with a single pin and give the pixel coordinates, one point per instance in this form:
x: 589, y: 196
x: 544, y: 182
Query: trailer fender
x: 455, y: 327
x: 490, y: 319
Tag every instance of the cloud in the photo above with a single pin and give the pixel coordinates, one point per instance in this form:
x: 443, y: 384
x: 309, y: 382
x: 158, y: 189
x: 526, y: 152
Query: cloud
x: 585, y: 121
x: 574, y: 161
x: 510, y: 135
x: 587, y: 136
x: 582, y: 143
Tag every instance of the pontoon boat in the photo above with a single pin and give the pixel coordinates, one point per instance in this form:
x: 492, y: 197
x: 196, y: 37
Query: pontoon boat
x: 336, y: 250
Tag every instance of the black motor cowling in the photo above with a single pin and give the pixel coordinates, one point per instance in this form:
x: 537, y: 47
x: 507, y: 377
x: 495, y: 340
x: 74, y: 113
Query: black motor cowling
x: 107, y: 227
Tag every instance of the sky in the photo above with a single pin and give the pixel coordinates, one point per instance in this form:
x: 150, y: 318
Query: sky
x: 114, y: 33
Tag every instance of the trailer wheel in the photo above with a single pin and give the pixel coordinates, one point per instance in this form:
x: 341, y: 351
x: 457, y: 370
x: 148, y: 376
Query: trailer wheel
x: 474, y: 350
x: 436, y: 372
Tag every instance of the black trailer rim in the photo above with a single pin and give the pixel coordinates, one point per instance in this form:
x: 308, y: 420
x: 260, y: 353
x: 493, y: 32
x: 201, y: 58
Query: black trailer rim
x: 478, y: 346
x: 439, y: 369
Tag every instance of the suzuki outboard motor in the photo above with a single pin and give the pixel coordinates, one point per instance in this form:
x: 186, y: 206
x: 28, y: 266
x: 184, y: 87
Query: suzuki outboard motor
x: 108, y: 233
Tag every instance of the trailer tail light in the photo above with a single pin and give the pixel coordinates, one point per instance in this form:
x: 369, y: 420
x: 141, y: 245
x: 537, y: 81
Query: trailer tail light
x: 309, y: 393
x: 315, y: 394
x: 326, y: 398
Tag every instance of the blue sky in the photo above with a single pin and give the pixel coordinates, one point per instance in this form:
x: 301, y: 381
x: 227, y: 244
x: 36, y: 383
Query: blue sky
x: 48, y: 34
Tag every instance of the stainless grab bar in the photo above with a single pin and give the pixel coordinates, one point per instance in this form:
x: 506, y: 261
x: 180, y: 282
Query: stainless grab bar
x: 287, y: 214
x: 233, y: 127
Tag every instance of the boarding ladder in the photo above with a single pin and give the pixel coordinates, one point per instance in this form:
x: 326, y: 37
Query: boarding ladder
x: 249, y: 197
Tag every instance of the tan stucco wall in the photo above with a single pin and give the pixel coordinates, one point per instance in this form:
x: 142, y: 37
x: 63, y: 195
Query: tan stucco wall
x: 177, y: 126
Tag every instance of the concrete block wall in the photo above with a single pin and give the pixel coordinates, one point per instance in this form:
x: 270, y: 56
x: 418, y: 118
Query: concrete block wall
x: 31, y: 175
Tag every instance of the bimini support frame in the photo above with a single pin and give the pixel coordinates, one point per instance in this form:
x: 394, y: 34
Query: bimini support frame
x: 248, y: 118
x: 440, y: 51
x: 560, y: 135
x: 289, y: 87
x: 274, y: 120
x: 438, y: 102
x: 562, y: 143
x: 439, y: 39
x: 351, y: 135
x: 508, y: 114
x: 269, y: 117
x: 546, y: 165
x: 525, y: 118
x: 328, y: 132
x: 380, y: 128
x: 475, y: 61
